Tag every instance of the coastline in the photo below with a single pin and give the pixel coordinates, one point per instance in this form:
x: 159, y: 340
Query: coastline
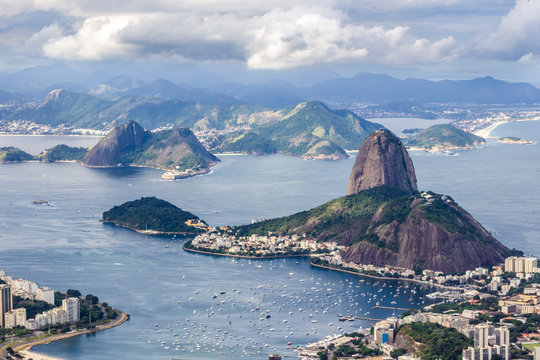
x: 148, y: 232
x: 486, y: 131
x: 243, y: 256
x: 387, y: 278
x: 26, y: 345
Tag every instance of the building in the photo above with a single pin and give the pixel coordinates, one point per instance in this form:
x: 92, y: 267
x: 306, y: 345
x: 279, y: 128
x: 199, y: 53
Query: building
x: 384, y: 331
x: 486, y: 353
x: 537, y: 353
x: 45, y: 294
x: 15, y: 317
x: 516, y: 264
x: 502, y: 336
x: 72, y: 307
x: 6, y: 303
x: 481, y: 335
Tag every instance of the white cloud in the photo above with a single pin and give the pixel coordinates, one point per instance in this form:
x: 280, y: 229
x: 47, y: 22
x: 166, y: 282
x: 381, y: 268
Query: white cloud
x: 96, y: 39
x: 277, y: 39
x: 517, y: 35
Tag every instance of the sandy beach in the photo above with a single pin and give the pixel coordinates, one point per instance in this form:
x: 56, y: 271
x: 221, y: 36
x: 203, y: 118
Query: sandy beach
x: 37, y: 356
x: 486, y: 132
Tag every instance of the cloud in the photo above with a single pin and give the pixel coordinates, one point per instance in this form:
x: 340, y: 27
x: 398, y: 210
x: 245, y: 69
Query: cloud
x: 96, y: 39
x: 277, y: 39
x: 517, y: 36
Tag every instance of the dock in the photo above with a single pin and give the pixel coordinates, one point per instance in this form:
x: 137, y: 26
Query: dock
x: 389, y: 308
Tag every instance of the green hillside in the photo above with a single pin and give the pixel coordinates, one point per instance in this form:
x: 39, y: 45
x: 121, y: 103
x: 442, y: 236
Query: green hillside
x: 11, y: 154
x: 443, y: 136
x: 250, y: 143
x: 62, y: 153
x: 301, y: 127
x: 151, y: 214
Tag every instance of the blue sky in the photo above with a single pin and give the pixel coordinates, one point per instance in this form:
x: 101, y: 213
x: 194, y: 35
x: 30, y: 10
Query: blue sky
x: 421, y: 38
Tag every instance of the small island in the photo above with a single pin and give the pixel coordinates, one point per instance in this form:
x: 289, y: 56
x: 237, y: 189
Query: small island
x: 514, y: 140
x: 443, y: 137
x: 150, y: 215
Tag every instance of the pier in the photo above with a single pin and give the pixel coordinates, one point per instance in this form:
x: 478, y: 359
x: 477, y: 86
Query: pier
x: 388, y: 308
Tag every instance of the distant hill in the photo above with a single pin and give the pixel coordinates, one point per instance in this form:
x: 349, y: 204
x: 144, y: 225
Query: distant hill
x: 250, y: 143
x: 62, y: 153
x: 299, y: 129
x: 11, y: 154
x: 152, y: 215
x: 129, y: 144
x: 382, y: 224
x: 443, y: 137
x: 384, y: 88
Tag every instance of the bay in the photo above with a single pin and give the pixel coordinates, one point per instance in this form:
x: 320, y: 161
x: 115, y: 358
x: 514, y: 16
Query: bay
x: 64, y: 246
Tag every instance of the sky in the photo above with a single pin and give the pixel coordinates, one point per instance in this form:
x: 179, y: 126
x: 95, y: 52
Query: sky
x: 433, y: 39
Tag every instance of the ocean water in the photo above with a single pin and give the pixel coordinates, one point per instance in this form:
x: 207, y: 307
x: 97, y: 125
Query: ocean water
x: 176, y: 298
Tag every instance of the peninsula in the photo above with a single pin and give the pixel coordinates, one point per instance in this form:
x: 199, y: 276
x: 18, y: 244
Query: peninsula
x: 33, y: 315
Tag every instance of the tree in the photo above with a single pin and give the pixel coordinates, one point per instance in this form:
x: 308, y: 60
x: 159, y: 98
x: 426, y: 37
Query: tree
x: 73, y: 293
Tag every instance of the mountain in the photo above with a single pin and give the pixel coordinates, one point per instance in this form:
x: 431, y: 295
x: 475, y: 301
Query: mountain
x: 250, y: 143
x: 384, y: 225
x: 443, y: 137
x: 152, y: 215
x: 129, y: 144
x: 383, y: 88
x: 298, y: 130
x: 382, y: 160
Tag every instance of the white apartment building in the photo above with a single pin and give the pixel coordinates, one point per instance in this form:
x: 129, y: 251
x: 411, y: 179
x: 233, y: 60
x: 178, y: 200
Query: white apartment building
x: 72, y: 307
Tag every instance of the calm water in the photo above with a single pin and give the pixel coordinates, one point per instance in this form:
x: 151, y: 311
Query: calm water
x: 64, y: 246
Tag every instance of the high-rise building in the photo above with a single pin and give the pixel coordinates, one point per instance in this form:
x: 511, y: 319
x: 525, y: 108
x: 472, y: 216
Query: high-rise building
x: 502, y: 335
x: 481, y: 335
x: 6, y: 303
x: 537, y: 353
x: 72, y: 308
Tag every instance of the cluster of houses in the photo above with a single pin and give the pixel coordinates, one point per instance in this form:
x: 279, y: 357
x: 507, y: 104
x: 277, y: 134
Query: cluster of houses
x: 260, y: 245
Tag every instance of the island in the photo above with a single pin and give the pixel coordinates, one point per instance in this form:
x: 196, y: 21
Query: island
x: 150, y: 215
x: 33, y: 315
x: 176, y: 150
x: 514, y: 140
x: 443, y: 137
x: 11, y: 154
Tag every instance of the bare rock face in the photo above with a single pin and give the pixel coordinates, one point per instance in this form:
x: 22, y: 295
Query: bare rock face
x: 109, y: 150
x: 382, y: 160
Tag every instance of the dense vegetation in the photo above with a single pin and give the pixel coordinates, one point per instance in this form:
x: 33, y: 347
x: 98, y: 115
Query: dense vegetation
x: 11, y: 154
x: 33, y: 307
x: 438, y: 342
x: 152, y: 214
x: 450, y: 218
x: 443, y: 135
x: 351, y: 214
x: 250, y: 143
x: 62, y: 153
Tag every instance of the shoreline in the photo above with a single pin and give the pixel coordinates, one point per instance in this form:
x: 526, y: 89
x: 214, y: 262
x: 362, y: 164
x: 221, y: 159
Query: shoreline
x: 386, y: 278
x: 147, y: 232
x: 486, y: 131
x: 26, y: 345
x: 243, y: 256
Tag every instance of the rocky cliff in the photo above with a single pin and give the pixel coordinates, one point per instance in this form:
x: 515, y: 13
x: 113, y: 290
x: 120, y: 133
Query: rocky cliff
x: 129, y: 144
x: 382, y: 160
x: 122, y: 139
